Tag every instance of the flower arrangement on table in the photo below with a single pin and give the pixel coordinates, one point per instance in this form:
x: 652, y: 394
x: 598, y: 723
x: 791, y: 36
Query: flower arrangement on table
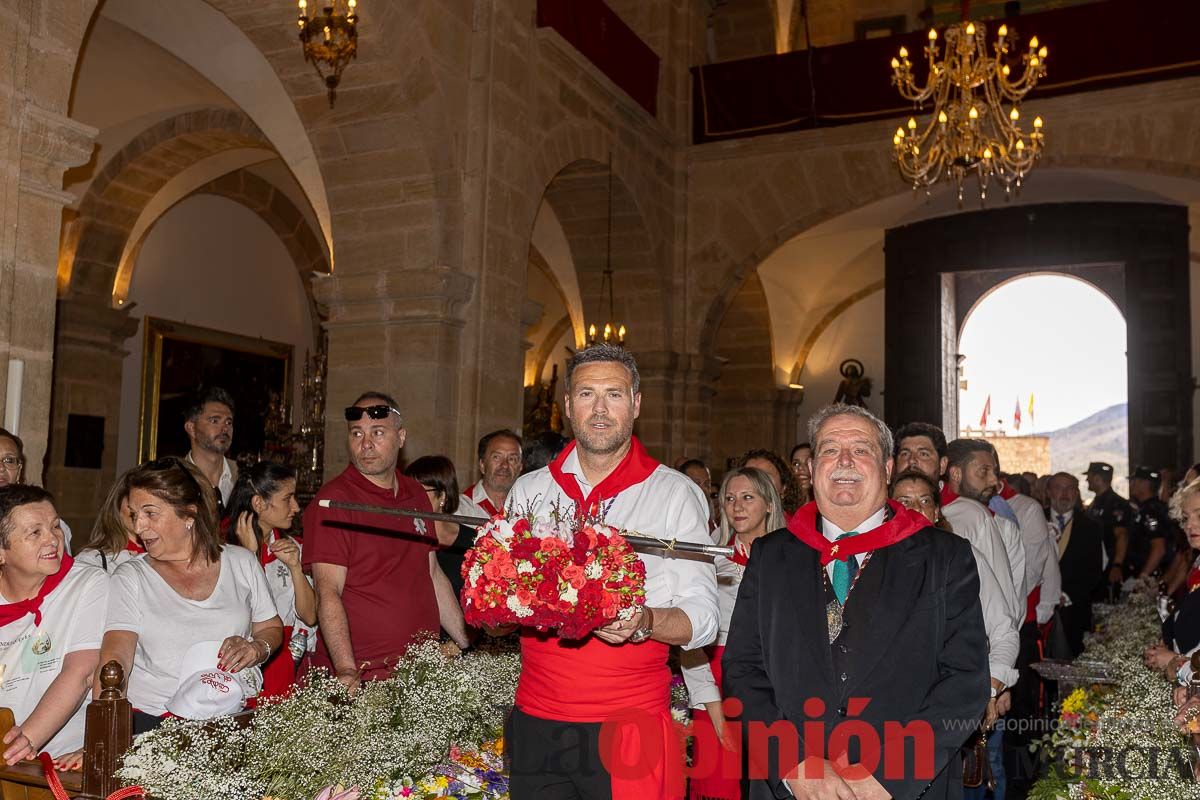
x: 1129, y: 718
x: 569, y: 576
x: 431, y: 730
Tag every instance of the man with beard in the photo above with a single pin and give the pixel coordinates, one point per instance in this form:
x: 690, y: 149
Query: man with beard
x: 377, y: 578
x: 567, y: 688
x: 499, y: 465
x: 922, y: 447
x: 864, y: 614
x: 972, y: 478
x: 208, y: 422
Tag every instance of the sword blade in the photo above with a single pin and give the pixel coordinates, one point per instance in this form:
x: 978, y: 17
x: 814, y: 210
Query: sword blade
x: 636, y: 541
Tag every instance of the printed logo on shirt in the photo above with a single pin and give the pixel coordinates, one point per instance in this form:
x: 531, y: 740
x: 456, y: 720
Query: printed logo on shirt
x: 420, y: 526
x: 41, y: 644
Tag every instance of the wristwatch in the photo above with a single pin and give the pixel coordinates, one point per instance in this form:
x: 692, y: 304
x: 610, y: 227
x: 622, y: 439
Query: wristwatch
x: 647, y: 630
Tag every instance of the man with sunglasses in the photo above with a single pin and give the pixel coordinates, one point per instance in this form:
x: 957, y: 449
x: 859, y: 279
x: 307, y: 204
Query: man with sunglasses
x: 377, y: 579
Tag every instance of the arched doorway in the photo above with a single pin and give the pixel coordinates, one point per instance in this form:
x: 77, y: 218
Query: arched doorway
x: 1136, y: 252
x: 1042, y: 373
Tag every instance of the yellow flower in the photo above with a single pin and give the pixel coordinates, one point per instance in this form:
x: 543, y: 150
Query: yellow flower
x: 1075, y: 702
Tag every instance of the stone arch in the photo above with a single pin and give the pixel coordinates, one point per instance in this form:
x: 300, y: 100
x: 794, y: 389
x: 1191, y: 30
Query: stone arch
x: 737, y: 261
x: 571, y: 163
x: 93, y: 244
x: 280, y: 214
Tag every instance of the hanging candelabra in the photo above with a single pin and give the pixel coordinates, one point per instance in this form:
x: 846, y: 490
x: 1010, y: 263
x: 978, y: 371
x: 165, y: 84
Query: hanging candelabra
x: 974, y: 128
x: 613, y: 331
x: 330, y: 40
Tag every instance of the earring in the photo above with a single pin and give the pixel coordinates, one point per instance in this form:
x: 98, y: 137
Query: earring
x: 189, y: 524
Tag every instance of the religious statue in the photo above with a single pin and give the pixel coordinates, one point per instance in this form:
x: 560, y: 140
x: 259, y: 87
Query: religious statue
x: 855, y: 386
x: 544, y: 415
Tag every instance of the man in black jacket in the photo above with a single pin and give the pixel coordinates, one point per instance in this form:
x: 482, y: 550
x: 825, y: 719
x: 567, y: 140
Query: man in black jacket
x: 857, y: 638
x: 1080, y: 556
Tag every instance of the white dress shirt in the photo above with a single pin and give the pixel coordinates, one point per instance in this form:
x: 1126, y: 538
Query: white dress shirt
x: 667, y: 505
x: 1035, y: 536
x: 697, y: 674
x: 1004, y: 641
x: 1014, y: 548
x: 225, y: 484
x: 972, y: 521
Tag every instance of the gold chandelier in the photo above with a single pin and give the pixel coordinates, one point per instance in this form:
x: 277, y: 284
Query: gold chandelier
x: 330, y: 40
x: 970, y: 130
x: 613, y: 331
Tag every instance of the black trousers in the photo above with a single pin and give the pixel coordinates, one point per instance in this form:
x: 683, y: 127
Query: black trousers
x: 554, y: 760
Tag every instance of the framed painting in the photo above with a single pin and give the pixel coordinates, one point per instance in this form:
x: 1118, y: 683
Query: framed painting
x: 178, y: 359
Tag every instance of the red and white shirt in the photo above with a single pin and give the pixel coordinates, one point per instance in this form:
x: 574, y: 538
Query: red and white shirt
x: 665, y: 504
x: 476, y: 503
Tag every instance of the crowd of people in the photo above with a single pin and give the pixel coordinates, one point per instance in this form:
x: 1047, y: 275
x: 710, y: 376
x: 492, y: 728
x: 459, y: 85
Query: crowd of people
x: 894, y: 566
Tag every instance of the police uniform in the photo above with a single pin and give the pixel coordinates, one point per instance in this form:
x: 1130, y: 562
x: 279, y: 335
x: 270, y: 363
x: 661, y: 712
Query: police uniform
x: 1109, y: 509
x: 1151, y: 521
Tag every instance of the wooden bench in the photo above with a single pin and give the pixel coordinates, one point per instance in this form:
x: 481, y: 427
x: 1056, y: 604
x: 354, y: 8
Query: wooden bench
x: 108, y: 732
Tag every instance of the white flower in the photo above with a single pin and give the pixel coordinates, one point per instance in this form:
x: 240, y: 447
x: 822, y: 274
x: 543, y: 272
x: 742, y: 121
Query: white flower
x: 474, y: 573
x: 569, y: 594
x: 593, y: 571
x: 524, y: 567
x: 515, y: 606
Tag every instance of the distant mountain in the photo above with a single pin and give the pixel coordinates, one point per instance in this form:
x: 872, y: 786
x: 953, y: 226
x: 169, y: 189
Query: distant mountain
x: 1104, y: 436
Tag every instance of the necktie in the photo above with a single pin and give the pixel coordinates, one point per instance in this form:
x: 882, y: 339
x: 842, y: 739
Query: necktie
x: 1062, y: 525
x: 844, y: 572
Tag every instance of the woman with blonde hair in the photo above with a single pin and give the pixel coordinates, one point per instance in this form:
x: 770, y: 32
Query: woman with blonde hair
x: 112, y: 541
x: 1181, y: 630
x: 750, y: 508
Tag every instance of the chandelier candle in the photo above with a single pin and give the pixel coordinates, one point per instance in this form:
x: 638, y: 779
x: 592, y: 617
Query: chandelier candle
x: 971, y: 131
x: 635, y: 541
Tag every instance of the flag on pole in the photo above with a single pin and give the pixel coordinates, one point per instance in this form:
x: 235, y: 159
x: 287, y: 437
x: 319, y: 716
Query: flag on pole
x: 987, y: 412
x: 1017, y: 416
x: 1031, y: 405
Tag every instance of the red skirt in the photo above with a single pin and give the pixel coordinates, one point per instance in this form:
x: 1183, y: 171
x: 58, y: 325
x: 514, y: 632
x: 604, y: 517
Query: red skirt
x: 714, y: 775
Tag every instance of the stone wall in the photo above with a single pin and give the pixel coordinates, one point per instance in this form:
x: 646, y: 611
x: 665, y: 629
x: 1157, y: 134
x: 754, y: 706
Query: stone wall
x: 1020, y: 453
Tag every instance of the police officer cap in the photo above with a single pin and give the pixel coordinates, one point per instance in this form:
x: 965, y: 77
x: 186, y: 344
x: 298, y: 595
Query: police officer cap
x: 1145, y: 473
x: 1099, y: 467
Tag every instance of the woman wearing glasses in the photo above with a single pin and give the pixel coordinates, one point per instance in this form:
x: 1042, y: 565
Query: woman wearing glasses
x: 186, y: 592
x: 12, y: 469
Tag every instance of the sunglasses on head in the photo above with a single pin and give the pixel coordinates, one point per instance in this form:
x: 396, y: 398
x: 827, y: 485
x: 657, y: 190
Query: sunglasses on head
x: 355, y: 413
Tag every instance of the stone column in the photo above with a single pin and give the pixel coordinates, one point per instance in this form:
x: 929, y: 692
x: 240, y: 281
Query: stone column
x: 49, y: 143
x: 398, y: 331
x: 90, y: 345
x: 786, y: 414
x: 677, y: 392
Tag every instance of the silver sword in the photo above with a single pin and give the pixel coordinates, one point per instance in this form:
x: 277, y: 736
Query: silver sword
x: 637, y: 541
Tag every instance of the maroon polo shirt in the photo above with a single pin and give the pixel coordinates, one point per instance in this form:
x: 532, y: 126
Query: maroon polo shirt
x: 388, y: 595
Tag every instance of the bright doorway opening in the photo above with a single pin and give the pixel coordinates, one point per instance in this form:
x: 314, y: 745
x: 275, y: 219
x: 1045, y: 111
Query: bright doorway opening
x: 1042, y: 373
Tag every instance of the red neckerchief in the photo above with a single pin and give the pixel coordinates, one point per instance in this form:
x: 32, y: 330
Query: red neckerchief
x: 134, y: 547
x: 740, y: 556
x: 265, y: 556
x: 1193, y: 579
x: 633, y: 469
x: 904, y: 523
x: 486, y: 503
x: 11, y: 612
x: 949, y: 497
x: 1006, y: 491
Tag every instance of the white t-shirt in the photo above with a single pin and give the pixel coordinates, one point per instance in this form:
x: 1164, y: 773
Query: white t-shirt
x: 167, y: 624
x: 109, y: 563
x: 283, y: 592
x: 31, y: 656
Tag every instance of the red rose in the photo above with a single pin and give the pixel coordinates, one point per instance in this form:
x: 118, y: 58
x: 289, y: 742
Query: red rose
x: 521, y: 526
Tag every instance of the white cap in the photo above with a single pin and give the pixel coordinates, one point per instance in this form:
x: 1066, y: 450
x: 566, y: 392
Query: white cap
x: 204, y: 691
